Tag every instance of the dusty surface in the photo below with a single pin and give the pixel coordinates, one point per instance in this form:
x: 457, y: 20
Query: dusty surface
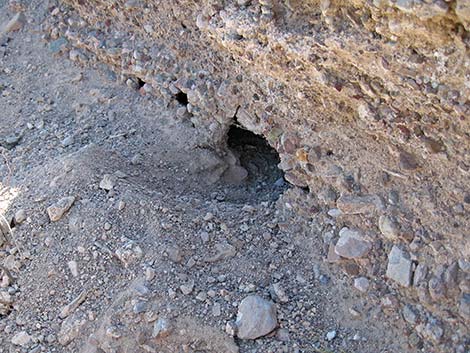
x: 156, y: 236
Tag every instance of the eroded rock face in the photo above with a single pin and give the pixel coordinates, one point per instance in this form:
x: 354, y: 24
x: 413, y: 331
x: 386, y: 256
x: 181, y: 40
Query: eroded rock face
x: 366, y: 99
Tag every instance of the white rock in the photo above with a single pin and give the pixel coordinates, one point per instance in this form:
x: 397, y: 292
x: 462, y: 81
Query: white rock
x: 108, y: 182
x: 331, y: 335
x: 256, y: 317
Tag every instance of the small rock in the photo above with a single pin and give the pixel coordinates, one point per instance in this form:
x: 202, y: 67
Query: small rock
x: 407, y: 161
x: 149, y: 274
x: 230, y: 328
x: 361, y: 284
x: 21, y: 339
x: 278, y: 293
x: 223, y: 251
x: 57, y: 210
x: 409, y: 314
x: 330, y: 336
x: 73, y: 267
x: 256, y: 317
x: 108, y: 182
x: 20, y: 216
x: 389, y: 227
x: 216, y: 310
x: 174, y: 254
x: 162, y: 328
x: 351, y: 244
x: 399, y: 266
x: 187, y: 288
x: 129, y: 253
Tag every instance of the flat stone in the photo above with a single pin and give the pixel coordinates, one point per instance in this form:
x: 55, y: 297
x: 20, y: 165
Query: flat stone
x: 57, y: 210
x: 256, y: 317
x: 399, y: 266
x: 462, y: 9
x: 349, y: 204
x: 351, y: 244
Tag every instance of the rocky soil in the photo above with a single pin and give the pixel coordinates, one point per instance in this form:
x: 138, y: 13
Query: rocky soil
x: 140, y: 214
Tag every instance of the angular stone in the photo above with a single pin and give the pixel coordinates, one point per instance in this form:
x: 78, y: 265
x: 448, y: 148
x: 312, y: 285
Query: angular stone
x: 399, y: 266
x: 256, y: 317
x: 352, y: 244
x: 57, y: 210
x: 349, y: 204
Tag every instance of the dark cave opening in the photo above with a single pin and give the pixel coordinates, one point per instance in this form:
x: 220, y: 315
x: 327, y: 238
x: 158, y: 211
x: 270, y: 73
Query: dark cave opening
x: 260, y: 161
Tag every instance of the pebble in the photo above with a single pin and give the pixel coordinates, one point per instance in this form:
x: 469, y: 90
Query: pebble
x: 409, y: 314
x: 399, y: 268
x: 108, y: 182
x: 187, y: 288
x: 361, y: 284
x: 174, y: 254
x: 256, y: 317
x: 278, y: 293
x: 389, y: 227
x: 57, y: 210
x: 162, y: 328
x: 331, y: 335
x: 129, y: 253
x: 351, y: 244
x: 149, y: 274
x: 22, y: 339
x: 216, y: 310
x: 73, y: 267
x: 20, y: 216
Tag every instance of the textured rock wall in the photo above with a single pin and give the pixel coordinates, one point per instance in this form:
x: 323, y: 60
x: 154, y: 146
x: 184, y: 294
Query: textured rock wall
x: 367, y: 103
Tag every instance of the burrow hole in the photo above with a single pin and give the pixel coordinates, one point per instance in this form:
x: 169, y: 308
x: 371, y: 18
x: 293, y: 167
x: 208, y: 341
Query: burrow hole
x: 182, y: 98
x: 140, y: 83
x: 259, y: 159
